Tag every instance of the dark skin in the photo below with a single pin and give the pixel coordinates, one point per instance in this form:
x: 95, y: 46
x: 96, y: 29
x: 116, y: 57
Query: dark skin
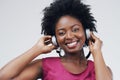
x: 73, y: 65
x: 71, y: 38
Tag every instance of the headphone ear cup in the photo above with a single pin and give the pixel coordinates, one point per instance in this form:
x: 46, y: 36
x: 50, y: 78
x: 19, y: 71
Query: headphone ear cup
x: 88, y: 37
x: 54, y: 41
x: 87, y: 34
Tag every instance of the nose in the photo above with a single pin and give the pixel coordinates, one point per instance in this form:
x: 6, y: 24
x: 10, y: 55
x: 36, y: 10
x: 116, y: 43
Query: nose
x: 69, y: 35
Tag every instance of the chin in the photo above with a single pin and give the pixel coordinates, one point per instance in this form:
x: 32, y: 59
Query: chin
x: 73, y: 51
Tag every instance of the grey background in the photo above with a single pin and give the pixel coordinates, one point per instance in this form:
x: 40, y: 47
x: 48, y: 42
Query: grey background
x: 20, y: 28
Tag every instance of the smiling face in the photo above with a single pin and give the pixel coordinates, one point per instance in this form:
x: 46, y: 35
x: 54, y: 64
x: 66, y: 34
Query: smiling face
x: 70, y: 34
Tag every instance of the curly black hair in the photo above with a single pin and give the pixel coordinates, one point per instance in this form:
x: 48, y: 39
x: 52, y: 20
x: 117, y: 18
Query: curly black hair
x: 74, y: 8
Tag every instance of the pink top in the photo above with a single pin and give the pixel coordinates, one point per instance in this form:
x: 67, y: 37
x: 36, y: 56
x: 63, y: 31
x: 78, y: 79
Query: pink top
x: 54, y: 70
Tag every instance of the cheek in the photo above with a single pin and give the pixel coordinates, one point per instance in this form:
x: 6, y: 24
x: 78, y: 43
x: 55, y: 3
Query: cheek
x: 82, y: 36
x: 60, y: 40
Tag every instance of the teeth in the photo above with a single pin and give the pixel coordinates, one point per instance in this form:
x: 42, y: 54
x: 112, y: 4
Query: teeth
x: 71, y: 44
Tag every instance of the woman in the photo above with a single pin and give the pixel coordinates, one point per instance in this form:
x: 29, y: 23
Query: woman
x: 67, y: 20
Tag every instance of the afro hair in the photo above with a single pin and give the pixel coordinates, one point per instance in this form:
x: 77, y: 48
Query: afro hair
x: 74, y: 8
x: 61, y: 8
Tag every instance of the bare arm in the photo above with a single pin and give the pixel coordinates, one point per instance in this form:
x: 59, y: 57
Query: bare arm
x: 22, y: 66
x: 102, y: 72
x: 31, y: 72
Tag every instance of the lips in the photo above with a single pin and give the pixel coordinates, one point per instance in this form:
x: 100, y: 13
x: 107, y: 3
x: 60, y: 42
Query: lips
x: 72, y: 44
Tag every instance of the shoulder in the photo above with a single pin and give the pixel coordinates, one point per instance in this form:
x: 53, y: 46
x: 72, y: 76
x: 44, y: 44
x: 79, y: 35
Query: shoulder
x: 50, y: 60
x: 90, y: 62
x: 90, y: 65
x: 50, y: 63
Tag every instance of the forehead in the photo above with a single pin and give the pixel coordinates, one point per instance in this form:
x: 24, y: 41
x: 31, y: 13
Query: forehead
x: 67, y: 21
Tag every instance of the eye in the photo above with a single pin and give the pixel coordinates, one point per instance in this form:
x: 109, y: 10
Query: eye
x: 61, y: 33
x: 75, y: 30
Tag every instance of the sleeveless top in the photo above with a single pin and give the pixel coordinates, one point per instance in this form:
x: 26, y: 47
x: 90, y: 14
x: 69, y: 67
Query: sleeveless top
x: 54, y: 70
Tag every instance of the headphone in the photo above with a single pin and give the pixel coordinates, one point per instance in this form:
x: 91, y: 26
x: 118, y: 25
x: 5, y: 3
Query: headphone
x: 55, y: 42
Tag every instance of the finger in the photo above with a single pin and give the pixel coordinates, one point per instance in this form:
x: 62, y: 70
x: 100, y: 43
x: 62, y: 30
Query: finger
x: 47, y: 37
x: 93, y: 36
x: 51, y: 46
x: 90, y: 43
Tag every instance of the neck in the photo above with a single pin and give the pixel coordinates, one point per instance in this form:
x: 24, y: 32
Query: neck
x: 75, y: 57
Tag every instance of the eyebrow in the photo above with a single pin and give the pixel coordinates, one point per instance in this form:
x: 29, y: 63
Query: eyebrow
x: 70, y: 26
x: 75, y: 25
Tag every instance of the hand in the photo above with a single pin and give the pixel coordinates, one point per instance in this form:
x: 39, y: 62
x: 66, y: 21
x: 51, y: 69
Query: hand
x: 95, y: 44
x: 42, y: 47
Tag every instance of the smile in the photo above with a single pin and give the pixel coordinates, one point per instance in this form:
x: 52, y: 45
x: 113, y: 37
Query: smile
x: 72, y: 44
